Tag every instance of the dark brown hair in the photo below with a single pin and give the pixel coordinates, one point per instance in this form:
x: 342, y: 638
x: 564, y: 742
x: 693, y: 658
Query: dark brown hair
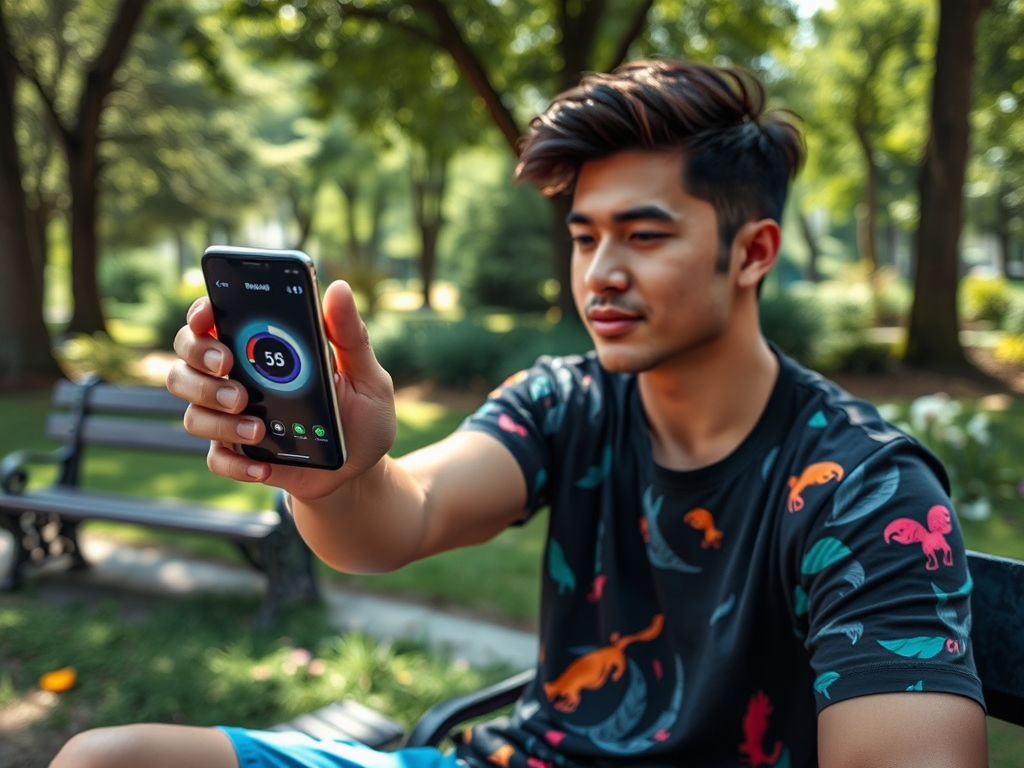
x: 740, y: 157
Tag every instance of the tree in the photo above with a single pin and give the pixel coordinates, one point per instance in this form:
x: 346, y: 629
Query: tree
x: 26, y: 355
x: 861, y: 85
x: 76, y: 119
x: 933, y: 335
x: 515, y: 56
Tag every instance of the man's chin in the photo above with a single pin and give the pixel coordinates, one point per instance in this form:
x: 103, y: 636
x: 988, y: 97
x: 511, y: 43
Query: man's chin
x: 617, y: 362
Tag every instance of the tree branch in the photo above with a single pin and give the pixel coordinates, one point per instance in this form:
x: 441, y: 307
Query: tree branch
x: 452, y: 40
x: 631, y: 33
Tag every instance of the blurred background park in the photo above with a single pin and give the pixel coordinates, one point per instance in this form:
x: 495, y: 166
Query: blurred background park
x: 379, y: 136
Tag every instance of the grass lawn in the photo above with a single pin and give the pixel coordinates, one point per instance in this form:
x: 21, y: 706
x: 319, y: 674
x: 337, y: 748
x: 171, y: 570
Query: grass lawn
x: 498, y: 580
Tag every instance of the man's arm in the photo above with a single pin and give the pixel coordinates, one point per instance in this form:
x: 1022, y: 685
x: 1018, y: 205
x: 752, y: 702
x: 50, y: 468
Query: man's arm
x: 903, y: 730
x: 375, y: 513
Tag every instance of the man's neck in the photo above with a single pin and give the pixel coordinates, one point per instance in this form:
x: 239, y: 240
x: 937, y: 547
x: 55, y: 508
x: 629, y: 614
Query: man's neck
x: 701, y: 409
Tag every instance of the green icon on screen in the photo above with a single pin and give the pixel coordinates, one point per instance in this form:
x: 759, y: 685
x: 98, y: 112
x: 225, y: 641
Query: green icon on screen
x: 298, y: 429
x: 319, y: 431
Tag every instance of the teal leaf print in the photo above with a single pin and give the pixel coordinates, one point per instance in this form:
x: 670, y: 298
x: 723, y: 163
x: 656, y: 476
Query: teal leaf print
x: 918, y: 686
x: 769, y: 462
x: 540, y: 387
x: 784, y: 760
x: 825, y: 679
x: 824, y: 553
x: 540, y: 480
x: 559, y: 569
x: 854, y: 574
x: 860, y: 495
x: 852, y: 629
x: 724, y: 609
x: 964, y: 591
x: 915, y: 647
x: 596, y: 474
x: 800, y: 601
x: 817, y: 421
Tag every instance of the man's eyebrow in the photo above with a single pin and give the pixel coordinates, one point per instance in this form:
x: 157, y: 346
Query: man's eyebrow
x: 641, y: 212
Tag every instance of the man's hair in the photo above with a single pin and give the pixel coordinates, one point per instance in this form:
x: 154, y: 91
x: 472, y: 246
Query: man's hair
x: 739, y: 156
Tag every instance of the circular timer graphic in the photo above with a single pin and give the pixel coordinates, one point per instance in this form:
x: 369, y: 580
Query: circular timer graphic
x: 273, y: 355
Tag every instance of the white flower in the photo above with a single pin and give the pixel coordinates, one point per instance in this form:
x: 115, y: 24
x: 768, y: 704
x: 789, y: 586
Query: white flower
x: 939, y: 409
x: 978, y: 510
x: 977, y: 428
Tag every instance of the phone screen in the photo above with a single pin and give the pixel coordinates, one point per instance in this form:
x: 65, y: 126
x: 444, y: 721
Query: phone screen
x: 267, y: 311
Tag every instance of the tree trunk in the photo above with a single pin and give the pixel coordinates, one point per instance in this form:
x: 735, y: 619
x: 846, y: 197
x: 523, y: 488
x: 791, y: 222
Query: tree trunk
x: 26, y: 354
x: 933, y: 335
x: 428, y: 187
x: 82, y: 147
x: 866, y: 216
x: 813, y: 249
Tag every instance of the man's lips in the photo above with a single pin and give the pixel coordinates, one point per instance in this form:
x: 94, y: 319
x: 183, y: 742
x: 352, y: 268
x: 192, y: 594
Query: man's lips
x: 609, y: 322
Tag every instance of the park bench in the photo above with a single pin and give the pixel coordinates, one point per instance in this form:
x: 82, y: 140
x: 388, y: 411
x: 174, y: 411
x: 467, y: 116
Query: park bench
x: 44, y: 521
x: 997, y: 603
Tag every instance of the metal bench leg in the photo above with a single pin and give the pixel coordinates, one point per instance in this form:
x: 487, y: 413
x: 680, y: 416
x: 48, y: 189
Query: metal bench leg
x: 288, y: 565
x: 38, y: 538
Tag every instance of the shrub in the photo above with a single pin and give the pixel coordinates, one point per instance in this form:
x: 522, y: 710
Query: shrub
x: 169, y: 315
x: 985, y: 299
x: 99, y: 354
x: 891, y: 298
x: 463, y: 354
x: 793, y: 322
x: 1010, y: 349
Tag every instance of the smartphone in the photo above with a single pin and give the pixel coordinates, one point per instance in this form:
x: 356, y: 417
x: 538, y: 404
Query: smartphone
x: 266, y: 307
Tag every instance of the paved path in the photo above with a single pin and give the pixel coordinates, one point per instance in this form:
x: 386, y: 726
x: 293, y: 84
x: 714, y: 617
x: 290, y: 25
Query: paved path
x: 151, y: 571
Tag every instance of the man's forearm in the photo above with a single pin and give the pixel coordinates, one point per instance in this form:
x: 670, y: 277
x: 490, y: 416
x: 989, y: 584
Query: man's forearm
x: 371, y: 524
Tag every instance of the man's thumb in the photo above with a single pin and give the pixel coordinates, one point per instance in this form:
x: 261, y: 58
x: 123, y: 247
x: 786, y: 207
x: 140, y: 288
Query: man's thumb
x: 346, y: 330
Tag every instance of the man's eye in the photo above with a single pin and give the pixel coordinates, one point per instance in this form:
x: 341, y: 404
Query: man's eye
x: 582, y: 239
x: 646, y: 236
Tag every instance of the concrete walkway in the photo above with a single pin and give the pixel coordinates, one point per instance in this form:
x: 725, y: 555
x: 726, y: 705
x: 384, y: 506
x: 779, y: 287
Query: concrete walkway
x: 149, y: 570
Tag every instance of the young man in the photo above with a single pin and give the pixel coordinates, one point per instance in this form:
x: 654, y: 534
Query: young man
x: 745, y: 565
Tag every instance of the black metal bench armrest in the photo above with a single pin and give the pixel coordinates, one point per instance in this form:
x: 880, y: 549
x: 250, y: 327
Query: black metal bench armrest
x: 14, y: 469
x: 437, y: 721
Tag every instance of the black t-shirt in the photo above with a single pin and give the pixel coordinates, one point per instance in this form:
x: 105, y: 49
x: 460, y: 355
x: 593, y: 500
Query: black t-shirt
x: 704, y: 618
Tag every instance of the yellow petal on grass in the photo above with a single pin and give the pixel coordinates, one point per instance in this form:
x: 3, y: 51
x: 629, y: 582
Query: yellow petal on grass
x: 59, y: 680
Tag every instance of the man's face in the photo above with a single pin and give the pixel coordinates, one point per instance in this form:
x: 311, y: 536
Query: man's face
x: 643, y: 262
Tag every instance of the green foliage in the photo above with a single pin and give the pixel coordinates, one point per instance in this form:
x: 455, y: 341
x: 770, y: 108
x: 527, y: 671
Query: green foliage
x: 984, y: 298
x: 170, y: 310
x: 125, y: 280
x: 1010, y: 349
x: 792, y: 321
x: 99, y: 354
x: 505, y: 250
x: 468, y: 354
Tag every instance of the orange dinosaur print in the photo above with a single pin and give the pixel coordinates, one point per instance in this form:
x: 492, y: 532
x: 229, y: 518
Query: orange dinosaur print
x: 815, y: 474
x: 755, y: 726
x: 592, y: 670
x: 515, y: 378
x: 932, y: 539
x: 702, y: 520
x: 645, y: 532
x: 502, y: 755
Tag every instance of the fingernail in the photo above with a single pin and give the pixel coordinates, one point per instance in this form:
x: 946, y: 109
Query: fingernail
x: 227, y: 397
x: 246, y: 429
x: 254, y: 470
x: 212, y: 359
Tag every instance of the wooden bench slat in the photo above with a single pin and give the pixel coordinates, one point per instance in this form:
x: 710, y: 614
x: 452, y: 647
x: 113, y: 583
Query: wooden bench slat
x: 79, y: 504
x: 114, y: 432
x: 122, y: 399
x: 348, y: 719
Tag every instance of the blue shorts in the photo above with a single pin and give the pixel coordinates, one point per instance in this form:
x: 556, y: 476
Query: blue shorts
x: 270, y: 749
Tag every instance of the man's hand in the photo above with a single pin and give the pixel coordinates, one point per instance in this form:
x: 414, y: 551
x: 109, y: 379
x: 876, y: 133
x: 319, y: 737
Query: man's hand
x: 366, y: 397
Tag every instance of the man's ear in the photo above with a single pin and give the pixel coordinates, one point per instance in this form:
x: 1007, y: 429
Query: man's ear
x: 758, y: 243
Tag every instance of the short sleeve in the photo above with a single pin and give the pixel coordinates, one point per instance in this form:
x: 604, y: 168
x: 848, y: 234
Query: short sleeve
x: 885, y: 584
x: 515, y: 413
